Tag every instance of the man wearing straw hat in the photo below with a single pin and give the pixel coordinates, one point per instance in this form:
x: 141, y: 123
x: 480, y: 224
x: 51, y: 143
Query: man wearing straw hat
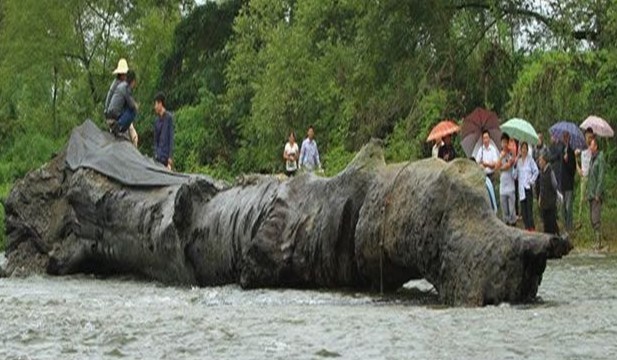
x: 120, y: 107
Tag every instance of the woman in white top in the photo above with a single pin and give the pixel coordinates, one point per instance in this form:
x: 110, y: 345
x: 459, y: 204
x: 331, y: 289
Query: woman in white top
x: 526, y: 172
x: 290, y: 155
x: 435, y: 151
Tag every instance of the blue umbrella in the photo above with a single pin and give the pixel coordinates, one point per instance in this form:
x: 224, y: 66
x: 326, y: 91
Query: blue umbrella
x: 577, y: 139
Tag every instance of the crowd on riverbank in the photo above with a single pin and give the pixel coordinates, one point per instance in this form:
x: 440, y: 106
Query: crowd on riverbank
x: 521, y: 173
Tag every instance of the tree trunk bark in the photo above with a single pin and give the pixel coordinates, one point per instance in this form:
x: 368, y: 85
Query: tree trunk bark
x: 373, y: 225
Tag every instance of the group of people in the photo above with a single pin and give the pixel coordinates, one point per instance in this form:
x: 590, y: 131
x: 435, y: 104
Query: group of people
x: 306, y: 158
x: 544, y: 172
x: 121, y: 111
x: 548, y: 174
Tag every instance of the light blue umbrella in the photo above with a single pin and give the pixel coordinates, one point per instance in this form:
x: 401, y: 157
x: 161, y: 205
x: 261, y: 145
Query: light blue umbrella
x: 520, y: 130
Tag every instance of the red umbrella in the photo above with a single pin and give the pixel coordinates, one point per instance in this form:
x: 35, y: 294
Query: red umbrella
x: 443, y: 129
x: 474, y: 125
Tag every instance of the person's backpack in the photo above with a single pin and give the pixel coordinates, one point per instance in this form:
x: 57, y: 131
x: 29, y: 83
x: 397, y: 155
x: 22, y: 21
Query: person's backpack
x: 110, y: 95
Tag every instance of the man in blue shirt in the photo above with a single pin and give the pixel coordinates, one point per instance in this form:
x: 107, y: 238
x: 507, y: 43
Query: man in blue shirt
x: 309, y: 155
x: 163, y: 133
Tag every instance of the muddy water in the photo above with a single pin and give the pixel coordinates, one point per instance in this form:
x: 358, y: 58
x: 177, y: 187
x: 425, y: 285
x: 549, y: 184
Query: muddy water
x: 82, y: 317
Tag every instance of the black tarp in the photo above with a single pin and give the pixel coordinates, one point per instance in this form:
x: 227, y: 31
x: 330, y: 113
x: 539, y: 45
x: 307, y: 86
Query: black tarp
x: 92, y: 148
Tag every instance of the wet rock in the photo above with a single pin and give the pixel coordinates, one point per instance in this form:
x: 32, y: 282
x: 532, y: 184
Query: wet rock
x: 372, y: 226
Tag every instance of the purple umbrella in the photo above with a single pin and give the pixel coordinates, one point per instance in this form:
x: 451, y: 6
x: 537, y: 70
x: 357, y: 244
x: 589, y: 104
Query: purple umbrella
x: 577, y: 139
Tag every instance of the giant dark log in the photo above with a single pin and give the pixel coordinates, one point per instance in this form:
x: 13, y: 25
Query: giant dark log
x: 373, y: 225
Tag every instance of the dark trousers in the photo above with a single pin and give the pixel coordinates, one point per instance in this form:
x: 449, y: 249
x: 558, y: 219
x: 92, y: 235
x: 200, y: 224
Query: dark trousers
x: 161, y: 161
x: 527, y: 210
x: 595, y: 212
x: 126, y: 119
x: 549, y: 218
x: 568, y: 200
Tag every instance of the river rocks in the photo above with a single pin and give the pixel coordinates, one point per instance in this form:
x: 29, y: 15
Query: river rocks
x: 372, y: 226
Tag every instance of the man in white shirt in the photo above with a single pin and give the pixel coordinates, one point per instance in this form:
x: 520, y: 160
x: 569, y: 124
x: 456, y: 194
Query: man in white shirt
x: 488, y: 156
x: 583, y: 171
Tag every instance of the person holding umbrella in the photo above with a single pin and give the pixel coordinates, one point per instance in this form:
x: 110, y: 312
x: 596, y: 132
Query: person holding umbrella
x: 442, y: 135
x: 446, y: 151
x: 595, y: 189
x: 488, y: 156
x: 519, y: 130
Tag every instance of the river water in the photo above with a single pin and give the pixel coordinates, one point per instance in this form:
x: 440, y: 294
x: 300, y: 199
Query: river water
x: 82, y: 317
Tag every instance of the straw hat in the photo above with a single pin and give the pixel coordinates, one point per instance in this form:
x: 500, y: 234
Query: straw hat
x: 122, y: 68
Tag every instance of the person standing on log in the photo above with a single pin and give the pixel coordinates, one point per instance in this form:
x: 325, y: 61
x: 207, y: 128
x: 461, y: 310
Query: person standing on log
x: 548, y: 193
x: 120, y: 106
x: 595, y: 189
x: 507, y: 187
x: 526, y: 172
x: 290, y: 155
x: 309, y: 154
x: 163, y: 133
x: 568, y: 170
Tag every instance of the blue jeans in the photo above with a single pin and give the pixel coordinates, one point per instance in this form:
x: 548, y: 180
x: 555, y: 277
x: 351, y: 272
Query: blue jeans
x: 491, y: 194
x: 126, y: 119
x: 507, y: 208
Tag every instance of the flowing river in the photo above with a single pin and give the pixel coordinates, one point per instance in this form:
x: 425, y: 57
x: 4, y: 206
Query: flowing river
x: 82, y: 317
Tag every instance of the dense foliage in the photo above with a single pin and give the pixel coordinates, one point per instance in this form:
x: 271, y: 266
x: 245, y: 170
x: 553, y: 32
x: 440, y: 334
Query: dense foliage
x: 241, y: 74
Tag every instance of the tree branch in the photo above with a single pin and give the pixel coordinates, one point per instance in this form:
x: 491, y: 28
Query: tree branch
x: 550, y: 23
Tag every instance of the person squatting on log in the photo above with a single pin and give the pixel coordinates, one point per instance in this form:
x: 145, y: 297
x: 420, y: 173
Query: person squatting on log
x: 120, y: 106
x: 163, y: 133
x: 548, y: 194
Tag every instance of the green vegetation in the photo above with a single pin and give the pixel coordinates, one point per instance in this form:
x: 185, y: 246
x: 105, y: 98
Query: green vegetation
x: 240, y: 74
